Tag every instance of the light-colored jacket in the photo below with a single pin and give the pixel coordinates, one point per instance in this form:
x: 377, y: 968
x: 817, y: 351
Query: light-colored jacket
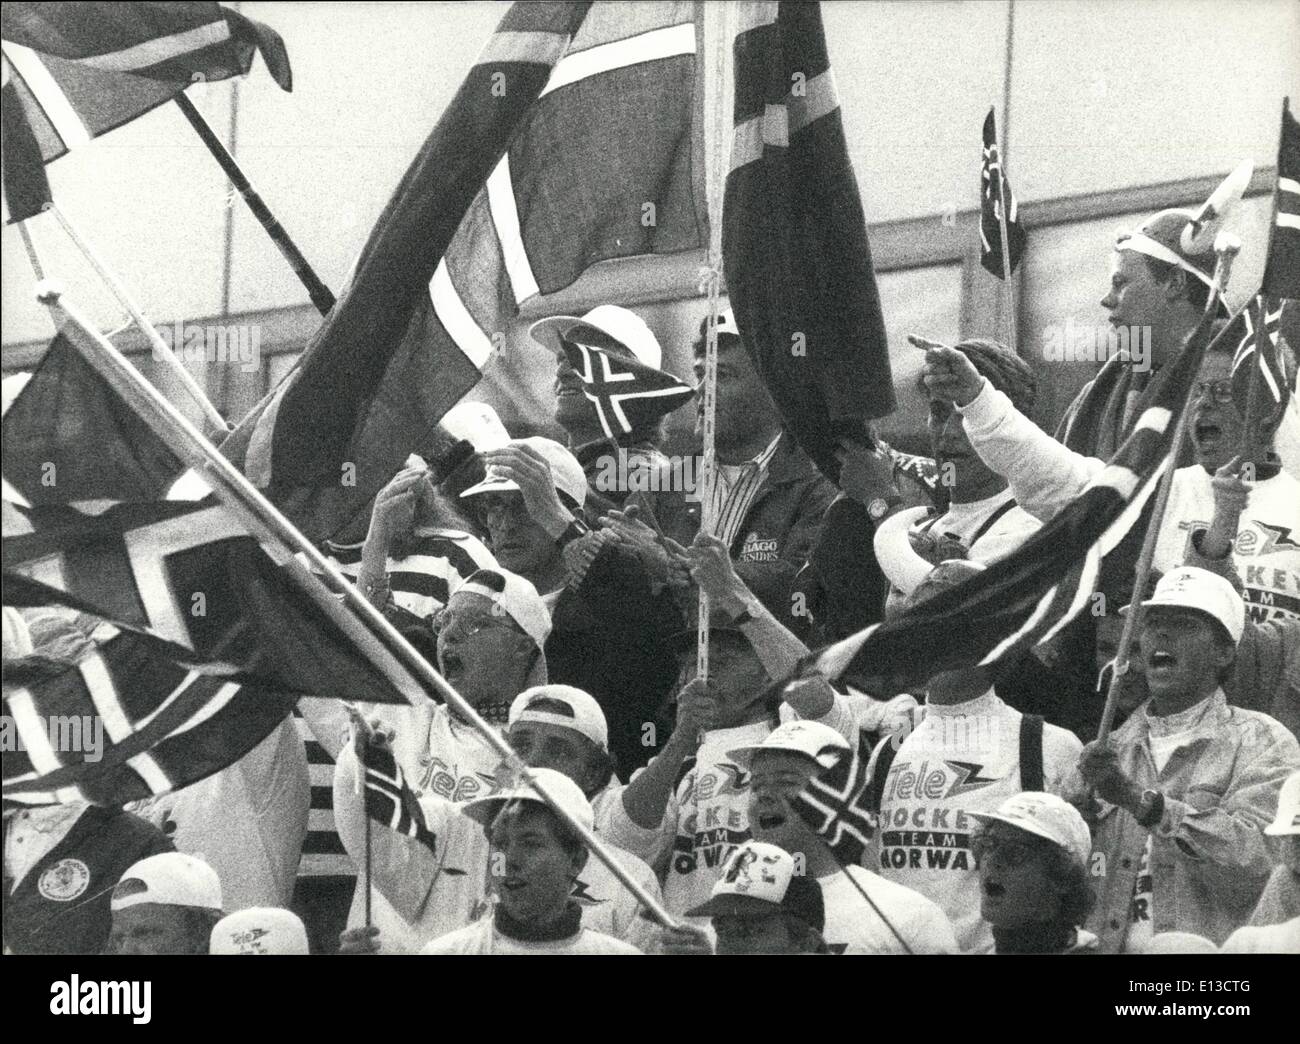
x: 1209, y: 860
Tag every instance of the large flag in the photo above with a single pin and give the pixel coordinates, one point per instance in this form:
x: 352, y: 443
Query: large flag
x: 627, y: 394
x: 1027, y: 597
x: 1282, y: 269
x: 82, y: 69
x: 570, y: 142
x: 798, y: 265
x: 130, y: 720
x: 995, y: 189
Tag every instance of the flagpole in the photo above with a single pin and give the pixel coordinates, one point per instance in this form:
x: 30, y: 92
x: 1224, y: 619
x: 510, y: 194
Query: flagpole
x: 375, y: 638
x: 161, y: 352
x: 1225, y: 249
x: 863, y: 892
x: 319, y: 293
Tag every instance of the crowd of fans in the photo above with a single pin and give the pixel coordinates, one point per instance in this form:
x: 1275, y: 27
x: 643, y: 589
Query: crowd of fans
x: 565, y: 613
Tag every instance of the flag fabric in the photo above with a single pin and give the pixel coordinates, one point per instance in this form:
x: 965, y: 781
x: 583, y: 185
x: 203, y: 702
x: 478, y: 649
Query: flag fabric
x: 627, y: 394
x: 798, y: 264
x: 26, y: 188
x: 837, y: 805
x: 993, y: 187
x: 1267, y: 369
x: 126, y: 722
x: 1282, y: 268
x: 1028, y: 596
x: 82, y: 69
x: 583, y: 154
x: 389, y: 800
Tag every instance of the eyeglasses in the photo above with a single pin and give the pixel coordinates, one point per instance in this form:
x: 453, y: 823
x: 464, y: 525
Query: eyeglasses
x: 1220, y: 390
x: 464, y: 624
x: 1012, y: 851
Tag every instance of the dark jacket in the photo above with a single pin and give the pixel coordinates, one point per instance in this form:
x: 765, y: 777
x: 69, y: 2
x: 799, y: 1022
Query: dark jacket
x: 61, y: 905
x: 609, y: 638
x: 778, y: 531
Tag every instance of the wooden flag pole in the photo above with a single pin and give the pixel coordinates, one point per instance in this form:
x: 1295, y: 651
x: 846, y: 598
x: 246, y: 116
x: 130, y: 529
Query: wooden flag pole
x: 374, y: 637
x: 1225, y: 249
x: 163, y: 353
x: 319, y: 293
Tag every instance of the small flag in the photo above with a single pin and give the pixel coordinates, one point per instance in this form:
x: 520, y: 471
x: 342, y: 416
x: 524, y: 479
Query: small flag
x: 1273, y: 387
x: 994, y: 186
x: 798, y: 263
x: 389, y: 800
x: 837, y: 805
x: 1282, y: 269
x: 129, y: 721
x: 26, y: 188
x: 1028, y: 596
x: 627, y: 394
x: 82, y: 69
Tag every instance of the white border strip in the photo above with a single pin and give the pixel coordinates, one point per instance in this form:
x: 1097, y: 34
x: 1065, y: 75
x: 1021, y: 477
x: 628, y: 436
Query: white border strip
x: 657, y: 44
x: 505, y: 217
x: 455, y: 317
x: 49, y: 95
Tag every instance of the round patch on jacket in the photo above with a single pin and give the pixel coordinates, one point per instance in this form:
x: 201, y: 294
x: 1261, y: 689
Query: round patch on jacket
x: 64, y: 881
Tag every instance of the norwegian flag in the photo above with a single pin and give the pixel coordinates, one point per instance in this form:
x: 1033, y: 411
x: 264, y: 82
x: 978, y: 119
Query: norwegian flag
x: 993, y: 187
x: 1282, y: 270
x: 627, y: 394
x: 1268, y: 367
x: 838, y: 805
x: 389, y: 800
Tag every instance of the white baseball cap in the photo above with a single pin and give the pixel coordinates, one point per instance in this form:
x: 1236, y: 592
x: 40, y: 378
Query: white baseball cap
x: 1046, y: 816
x: 168, y: 879
x: 819, y: 742
x: 477, y: 423
x: 760, y: 878
x: 585, y: 715
x: 516, y: 596
x: 567, y: 794
x: 605, y: 326
x: 260, y: 930
x: 1189, y: 587
x: 1287, y: 820
x: 566, y: 472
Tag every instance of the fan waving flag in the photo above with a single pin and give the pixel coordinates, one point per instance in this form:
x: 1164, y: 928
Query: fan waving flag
x: 82, y: 69
x: 798, y: 265
x: 627, y: 394
x: 1026, y: 597
x: 572, y: 129
x: 998, y: 208
x: 1282, y: 269
x: 128, y: 721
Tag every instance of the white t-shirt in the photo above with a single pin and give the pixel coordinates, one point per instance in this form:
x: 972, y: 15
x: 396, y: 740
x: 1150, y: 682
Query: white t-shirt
x: 706, y: 819
x: 853, y: 927
x: 1267, y: 551
x: 482, y: 937
x: 1272, y: 938
x: 961, y: 758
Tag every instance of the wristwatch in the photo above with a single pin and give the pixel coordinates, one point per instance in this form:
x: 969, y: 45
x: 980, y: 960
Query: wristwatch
x: 572, y: 531
x: 1151, y: 808
x: 879, y: 507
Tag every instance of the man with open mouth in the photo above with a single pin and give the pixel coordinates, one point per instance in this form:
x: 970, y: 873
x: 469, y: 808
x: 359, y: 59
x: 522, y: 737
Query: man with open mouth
x: 1189, y: 782
x: 1033, y: 864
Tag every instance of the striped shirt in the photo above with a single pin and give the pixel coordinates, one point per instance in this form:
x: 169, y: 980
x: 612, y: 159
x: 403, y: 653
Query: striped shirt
x: 734, y: 488
x: 323, y: 854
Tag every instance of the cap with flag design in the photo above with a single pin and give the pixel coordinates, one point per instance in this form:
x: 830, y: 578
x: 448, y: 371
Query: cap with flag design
x: 1287, y: 820
x: 515, y: 596
x: 819, y: 742
x: 566, y: 793
x: 259, y: 930
x: 727, y: 327
x: 761, y: 879
x: 1161, y: 237
x: 1045, y: 816
x: 478, y: 424
x: 1189, y: 587
x: 580, y: 711
x: 609, y: 327
x: 566, y: 472
x: 169, y: 879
